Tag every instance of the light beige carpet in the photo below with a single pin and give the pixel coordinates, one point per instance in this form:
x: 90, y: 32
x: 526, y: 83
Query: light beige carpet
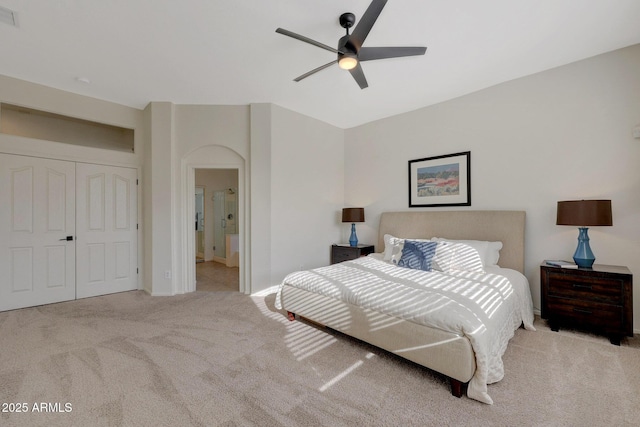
x: 225, y: 359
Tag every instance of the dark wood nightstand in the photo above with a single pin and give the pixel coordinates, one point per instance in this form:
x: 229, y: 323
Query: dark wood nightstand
x: 340, y: 253
x: 598, y: 299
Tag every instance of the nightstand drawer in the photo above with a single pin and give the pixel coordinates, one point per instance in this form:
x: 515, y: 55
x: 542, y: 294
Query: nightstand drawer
x: 587, y: 313
x: 341, y: 253
x: 594, y: 289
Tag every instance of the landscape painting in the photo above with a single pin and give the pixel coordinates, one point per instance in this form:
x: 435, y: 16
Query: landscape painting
x: 440, y: 181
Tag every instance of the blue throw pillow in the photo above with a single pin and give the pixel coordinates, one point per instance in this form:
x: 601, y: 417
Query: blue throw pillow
x: 417, y: 255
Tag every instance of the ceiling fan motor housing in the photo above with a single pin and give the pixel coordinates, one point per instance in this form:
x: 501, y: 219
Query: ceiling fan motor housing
x: 344, y: 45
x: 347, y: 20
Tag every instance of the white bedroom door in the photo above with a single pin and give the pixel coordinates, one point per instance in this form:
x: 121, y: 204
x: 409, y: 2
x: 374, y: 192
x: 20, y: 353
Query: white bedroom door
x: 37, y: 213
x: 107, y: 229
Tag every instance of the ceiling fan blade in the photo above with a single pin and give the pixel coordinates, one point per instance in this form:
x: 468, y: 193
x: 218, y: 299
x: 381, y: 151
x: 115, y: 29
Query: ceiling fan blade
x: 371, y: 53
x: 306, y: 40
x: 359, y: 77
x: 315, y: 70
x: 365, y: 24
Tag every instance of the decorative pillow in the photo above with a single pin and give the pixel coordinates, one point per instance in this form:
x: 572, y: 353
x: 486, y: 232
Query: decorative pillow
x: 489, y: 251
x: 396, y: 253
x: 417, y: 254
x: 392, y: 246
x: 452, y: 256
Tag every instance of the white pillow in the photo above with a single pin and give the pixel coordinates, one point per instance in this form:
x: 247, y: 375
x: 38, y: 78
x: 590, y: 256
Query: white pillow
x: 397, y: 253
x: 452, y: 256
x: 392, y: 245
x: 489, y: 251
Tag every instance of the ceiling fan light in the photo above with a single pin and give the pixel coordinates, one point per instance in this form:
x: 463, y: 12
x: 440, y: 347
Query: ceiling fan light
x: 347, y: 62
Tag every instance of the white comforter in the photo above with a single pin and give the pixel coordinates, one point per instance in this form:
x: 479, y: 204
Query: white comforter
x: 484, y: 307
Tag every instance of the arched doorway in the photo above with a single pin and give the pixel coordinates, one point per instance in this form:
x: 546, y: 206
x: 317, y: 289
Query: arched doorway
x: 212, y: 157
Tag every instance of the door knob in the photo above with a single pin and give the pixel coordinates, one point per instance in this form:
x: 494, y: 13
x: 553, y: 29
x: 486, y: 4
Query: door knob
x: 68, y: 238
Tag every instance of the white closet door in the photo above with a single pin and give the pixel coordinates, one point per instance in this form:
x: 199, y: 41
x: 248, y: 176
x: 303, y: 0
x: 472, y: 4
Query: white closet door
x: 37, y: 213
x: 107, y: 229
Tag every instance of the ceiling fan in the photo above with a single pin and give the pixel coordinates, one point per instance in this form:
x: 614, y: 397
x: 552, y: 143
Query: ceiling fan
x: 350, y: 50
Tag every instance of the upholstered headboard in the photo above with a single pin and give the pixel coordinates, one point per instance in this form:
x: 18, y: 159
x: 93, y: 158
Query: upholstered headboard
x: 504, y: 226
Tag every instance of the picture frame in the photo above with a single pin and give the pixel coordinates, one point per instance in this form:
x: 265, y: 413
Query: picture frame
x: 440, y: 181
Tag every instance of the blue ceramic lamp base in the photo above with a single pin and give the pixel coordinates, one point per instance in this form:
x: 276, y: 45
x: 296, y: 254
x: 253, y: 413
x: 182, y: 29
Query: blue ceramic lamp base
x: 353, y: 239
x: 583, y: 256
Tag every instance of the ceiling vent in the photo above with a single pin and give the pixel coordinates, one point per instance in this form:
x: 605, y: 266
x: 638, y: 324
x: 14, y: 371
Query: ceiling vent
x: 8, y: 16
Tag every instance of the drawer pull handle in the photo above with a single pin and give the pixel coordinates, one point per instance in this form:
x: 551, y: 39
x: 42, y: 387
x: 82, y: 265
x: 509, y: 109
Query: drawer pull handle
x: 579, y: 286
x: 579, y: 310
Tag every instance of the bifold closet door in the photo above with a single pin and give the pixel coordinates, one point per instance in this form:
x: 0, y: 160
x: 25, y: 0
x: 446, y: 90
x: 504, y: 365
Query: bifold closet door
x: 106, y: 222
x: 37, y: 229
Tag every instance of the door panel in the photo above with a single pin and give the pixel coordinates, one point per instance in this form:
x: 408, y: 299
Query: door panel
x: 107, y: 229
x: 37, y: 212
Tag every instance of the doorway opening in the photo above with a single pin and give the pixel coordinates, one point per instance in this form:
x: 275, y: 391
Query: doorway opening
x: 217, y: 232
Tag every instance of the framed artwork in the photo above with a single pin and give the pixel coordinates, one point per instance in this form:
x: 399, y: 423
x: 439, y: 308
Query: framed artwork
x: 440, y: 181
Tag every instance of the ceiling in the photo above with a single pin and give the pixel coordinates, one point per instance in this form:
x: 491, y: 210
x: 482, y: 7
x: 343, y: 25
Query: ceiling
x: 133, y: 52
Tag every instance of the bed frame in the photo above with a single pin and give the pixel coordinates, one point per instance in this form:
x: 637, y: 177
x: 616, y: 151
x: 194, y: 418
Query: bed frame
x: 443, y: 352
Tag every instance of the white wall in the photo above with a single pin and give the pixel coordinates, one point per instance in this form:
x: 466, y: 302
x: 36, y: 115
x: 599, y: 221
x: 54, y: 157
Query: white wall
x: 561, y: 134
x: 307, y: 191
x: 160, y: 263
x: 260, y: 200
x: 145, y: 187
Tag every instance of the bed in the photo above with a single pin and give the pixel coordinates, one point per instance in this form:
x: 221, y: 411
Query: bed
x: 389, y: 306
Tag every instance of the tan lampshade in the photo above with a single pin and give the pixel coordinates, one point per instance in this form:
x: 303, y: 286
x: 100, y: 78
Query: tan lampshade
x: 353, y: 215
x: 584, y: 213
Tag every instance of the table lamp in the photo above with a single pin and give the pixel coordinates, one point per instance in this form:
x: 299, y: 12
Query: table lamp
x: 353, y: 215
x: 584, y: 213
